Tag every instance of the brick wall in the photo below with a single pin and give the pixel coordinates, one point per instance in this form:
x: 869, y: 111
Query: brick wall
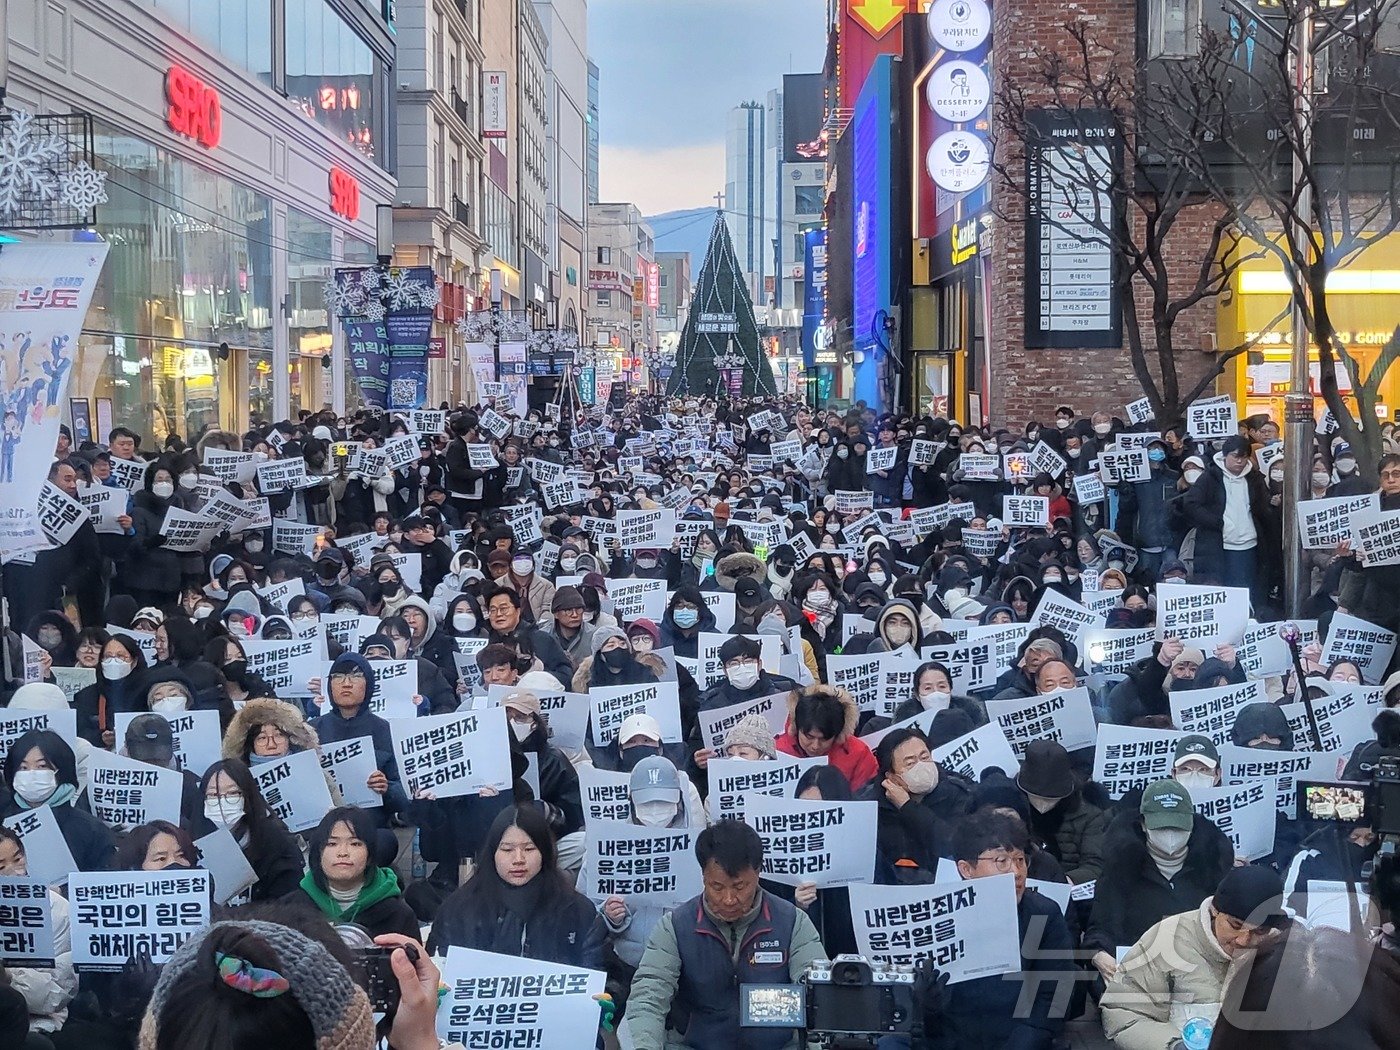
x: 1029, y: 384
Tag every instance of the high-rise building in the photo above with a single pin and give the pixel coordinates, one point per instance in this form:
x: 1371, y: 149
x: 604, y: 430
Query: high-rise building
x: 538, y: 257
x: 752, y: 147
x: 593, y: 131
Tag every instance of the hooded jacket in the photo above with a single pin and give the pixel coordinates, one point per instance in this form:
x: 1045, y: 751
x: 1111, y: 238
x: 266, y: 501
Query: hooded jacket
x: 910, y: 612
x: 1204, y: 508
x: 849, y: 753
x: 436, y: 647
x: 380, y: 907
x: 333, y: 728
x: 730, y: 567
x: 289, y: 719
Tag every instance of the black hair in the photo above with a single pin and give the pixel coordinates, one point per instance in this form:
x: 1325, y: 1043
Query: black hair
x: 132, y: 847
x: 731, y: 844
x: 397, y: 624
x: 132, y: 650
x: 54, y: 749
x: 828, y: 780
x: 483, y: 895
x: 821, y: 712
x: 360, y: 822
x: 258, y: 819
x: 490, y: 594
x: 885, y: 749
x: 989, y: 830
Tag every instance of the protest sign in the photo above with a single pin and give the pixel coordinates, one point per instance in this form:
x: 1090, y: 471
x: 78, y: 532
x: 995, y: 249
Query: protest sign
x: 125, y: 793
x: 1067, y: 614
x: 427, y: 421
x: 286, y: 666
x: 923, y: 722
x: 734, y: 780
x: 1368, y: 646
x: 881, y: 459
x: 1324, y: 523
x: 858, y: 675
x: 1262, y: 653
x: 400, y: 452
x: 104, y: 506
x: 1240, y: 765
x: 645, y: 528
x: 981, y: 543
x: 854, y: 532
x: 45, y: 848
x: 974, y: 752
x: 931, y: 519
x: 451, y: 755
x: 410, y: 567
x: 128, y: 473
x: 637, y: 598
x: 73, y: 680
x: 350, y: 764
x: 295, y: 789
x: 480, y: 457
x: 115, y: 916
x: 1211, y: 712
x: 396, y: 686
x: 60, y: 515
x: 1045, y: 460
x: 972, y: 662
x: 290, y: 537
x: 1375, y: 537
x: 922, y: 453
x: 896, y: 683
x: 1065, y: 716
x: 852, y: 502
x: 979, y: 466
x: 829, y: 843
x: 1032, y: 512
x: 1118, y: 467
x: 967, y: 929
x: 1127, y: 442
x: 566, y: 713
x: 231, y: 466
x: 605, y: 794
x: 1016, y: 467
x: 1089, y: 488
x: 1126, y: 757
x: 222, y: 857
x: 611, y: 706
x: 26, y: 923
x: 1244, y: 812
x: 186, y: 532
x: 278, y: 594
x: 1140, y: 411
x: 642, y: 865
x: 281, y: 475
x: 1202, y: 616
x: 1343, y: 719
x: 715, y: 725
x: 504, y: 1001
x: 15, y: 722
x: 1211, y: 420
x: 1116, y: 650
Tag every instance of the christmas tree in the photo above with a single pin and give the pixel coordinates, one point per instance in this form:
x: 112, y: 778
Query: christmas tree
x: 721, y: 322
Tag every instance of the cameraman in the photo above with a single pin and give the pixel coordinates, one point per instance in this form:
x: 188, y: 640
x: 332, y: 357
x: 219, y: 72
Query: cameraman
x: 700, y: 953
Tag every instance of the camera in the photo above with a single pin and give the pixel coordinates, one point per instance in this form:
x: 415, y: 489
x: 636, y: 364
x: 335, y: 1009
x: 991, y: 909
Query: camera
x: 1384, y: 801
x: 375, y: 969
x: 848, y: 1003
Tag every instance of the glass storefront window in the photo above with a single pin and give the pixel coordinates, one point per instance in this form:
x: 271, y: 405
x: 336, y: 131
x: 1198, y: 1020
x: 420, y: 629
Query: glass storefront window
x: 331, y: 73
x: 240, y: 30
x: 309, y: 267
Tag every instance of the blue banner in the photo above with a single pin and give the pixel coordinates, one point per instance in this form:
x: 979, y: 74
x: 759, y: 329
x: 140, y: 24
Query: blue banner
x: 408, y: 334
x: 814, y: 285
x: 367, y: 345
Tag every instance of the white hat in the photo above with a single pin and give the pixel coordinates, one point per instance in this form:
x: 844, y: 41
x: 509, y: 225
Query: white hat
x: 323, y: 434
x: 639, y: 725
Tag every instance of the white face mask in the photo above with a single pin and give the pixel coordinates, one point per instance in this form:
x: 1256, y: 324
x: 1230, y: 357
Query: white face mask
x: 189, y: 480
x: 1040, y: 803
x: 522, y: 566
x: 1102, y: 428
x: 1169, y: 840
x: 656, y: 814
x: 520, y: 730
x: 818, y: 597
x: 935, y: 700
x: 1195, y: 781
x: 223, y: 813
x: 1191, y: 476
x: 922, y: 777
x: 163, y: 489
x: 1062, y: 424
x: 464, y: 622
x: 35, y: 785
x: 744, y: 676
x: 170, y: 705
x: 567, y: 564
x: 878, y: 578
x: 1321, y: 480
x: 115, y: 669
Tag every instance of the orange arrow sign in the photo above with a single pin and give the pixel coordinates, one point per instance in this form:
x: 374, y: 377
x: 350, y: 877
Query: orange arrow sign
x: 877, y: 16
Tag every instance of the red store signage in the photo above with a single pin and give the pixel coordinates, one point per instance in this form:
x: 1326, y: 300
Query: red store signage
x: 193, y: 108
x: 345, y: 194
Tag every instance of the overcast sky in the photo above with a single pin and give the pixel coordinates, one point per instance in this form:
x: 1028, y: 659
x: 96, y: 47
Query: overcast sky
x: 671, y: 71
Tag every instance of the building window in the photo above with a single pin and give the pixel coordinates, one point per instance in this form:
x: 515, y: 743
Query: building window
x: 603, y: 300
x: 331, y: 74
x: 604, y: 256
x: 1173, y: 28
x: 808, y: 200
x: 665, y: 279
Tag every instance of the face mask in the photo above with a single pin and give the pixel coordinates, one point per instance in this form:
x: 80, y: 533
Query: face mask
x: 522, y: 566
x: 1191, y: 476
x: 225, y: 813
x: 628, y: 757
x: 1062, y: 424
x: 115, y: 669
x: 1040, y: 803
x: 744, y: 676
x: 922, y: 777
x: 655, y: 814
x: 35, y: 785
x: 1320, y: 480
x: 1073, y: 453
x: 235, y: 668
x: 568, y: 564
x: 772, y: 625
x: 260, y: 457
x: 1102, y: 428
x: 843, y: 452
x: 170, y: 705
x: 189, y: 481
x: 934, y: 700
x: 163, y: 489
x: 253, y: 544
x: 1276, y: 476
x: 1346, y: 465
x: 49, y: 638
x: 647, y: 562
x: 686, y: 618
x: 1048, y: 579
x: 1196, y: 781
x: 1169, y: 840
x: 818, y: 597
x: 1156, y: 455
x: 898, y: 633
x: 464, y: 622
x: 616, y: 659
x: 878, y: 578
x: 520, y: 730
x: 389, y: 589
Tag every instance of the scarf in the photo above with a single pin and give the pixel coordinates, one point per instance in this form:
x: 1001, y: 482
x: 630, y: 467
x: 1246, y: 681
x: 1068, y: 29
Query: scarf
x: 62, y: 795
x: 1167, y: 863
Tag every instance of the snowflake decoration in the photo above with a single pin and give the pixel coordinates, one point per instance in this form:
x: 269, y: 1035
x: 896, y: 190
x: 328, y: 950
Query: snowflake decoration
x: 474, y: 328
x: 335, y: 298
x: 27, y: 159
x: 372, y: 311
x: 83, y: 187
x: 515, y: 330
x: 369, y: 281
x: 429, y: 297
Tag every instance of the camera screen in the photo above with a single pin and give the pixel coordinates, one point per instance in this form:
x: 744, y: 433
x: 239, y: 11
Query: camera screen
x: 1340, y: 802
x: 772, y: 1006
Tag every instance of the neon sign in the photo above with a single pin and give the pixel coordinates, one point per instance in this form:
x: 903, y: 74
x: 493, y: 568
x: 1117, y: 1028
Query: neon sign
x: 193, y: 108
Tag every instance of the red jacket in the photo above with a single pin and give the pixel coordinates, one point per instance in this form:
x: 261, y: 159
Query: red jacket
x: 852, y: 756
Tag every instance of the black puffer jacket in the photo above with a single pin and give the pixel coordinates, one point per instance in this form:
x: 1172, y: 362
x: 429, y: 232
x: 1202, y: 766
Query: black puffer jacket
x: 567, y: 930
x: 920, y: 832
x: 1073, y: 833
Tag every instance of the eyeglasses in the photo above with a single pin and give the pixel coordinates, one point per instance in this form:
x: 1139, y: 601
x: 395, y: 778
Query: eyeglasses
x: 271, y: 736
x: 1390, y: 474
x: 348, y: 676
x: 1003, y: 861
x: 236, y: 796
x: 499, y: 610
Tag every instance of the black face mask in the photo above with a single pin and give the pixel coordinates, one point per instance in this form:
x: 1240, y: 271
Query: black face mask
x: 616, y: 659
x: 235, y: 669
x: 389, y: 589
x: 630, y: 756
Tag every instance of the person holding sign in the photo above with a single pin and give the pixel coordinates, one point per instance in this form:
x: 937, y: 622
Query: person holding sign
x: 233, y: 801
x: 343, y: 882
x: 920, y: 804
x: 266, y: 730
x: 151, y: 572
x: 41, y: 771
x: 518, y: 901
x: 703, y: 951
x: 36, y: 998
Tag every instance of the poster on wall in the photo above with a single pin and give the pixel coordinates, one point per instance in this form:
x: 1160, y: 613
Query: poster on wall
x: 80, y: 420
x: 45, y: 290
x: 409, y: 329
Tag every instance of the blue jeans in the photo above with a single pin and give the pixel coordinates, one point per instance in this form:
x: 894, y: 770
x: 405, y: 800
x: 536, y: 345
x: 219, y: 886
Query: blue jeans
x: 1240, y: 569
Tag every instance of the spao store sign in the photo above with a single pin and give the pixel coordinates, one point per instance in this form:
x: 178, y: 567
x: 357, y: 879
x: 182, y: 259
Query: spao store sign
x: 193, y: 108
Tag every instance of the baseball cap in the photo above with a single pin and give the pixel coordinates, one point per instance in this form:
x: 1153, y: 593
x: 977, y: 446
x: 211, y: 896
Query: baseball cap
x: 522, y: 700
x: 654, y: 779
x: 1197, y: 747
x: 1166, y: 804
x: 639, y: 725
x: 149, y: 736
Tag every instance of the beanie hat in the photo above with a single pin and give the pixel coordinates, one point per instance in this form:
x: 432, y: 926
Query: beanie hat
x: 338, y: 1010
x: 1045, y: 771
x: 753, y: 731
x: 603, y: 635
x: 1253, y: 894
x: 643, y: 625
x: 566, y: 597
x: 1166, y: 804
x: 38, y: 696
x: 1189, y: 656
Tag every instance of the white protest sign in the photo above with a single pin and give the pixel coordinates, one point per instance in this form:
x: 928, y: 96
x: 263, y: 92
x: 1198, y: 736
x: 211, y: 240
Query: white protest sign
x: 828, y: 843
x: 1240, y: 765
x: 565, y: 712
x: 1031, y: 512
x: 1343, y: 719
x: 1324, y: 523
x: 853, y: 502
x: 645, y: 528
x: 290, y: 537
x: 279, y: 594
x: 1211, y: 712
x: 734, y: 780
x: 26, y: 923
x: 45, y: 848
x: 286, y: 666
x: 1126, y: 757
x: 642, y: 865
x: 721, y: 603
x: 1116, y: 650
x: 1211, y: 420
x: 605, y: 794
x: 295, y: 789
x: 881, y: 459
x: 129, y: 473
x: 451, y: 755
x: 1045, y: 460
x: 116, y: 916
x: 504, y: 1001
x: 611, y: 706
x: 395, y: 686
x: 715, y: 725
x: 1262, y: 653
x: 185, y: 532
x: 125, y: 793
x: 480, y: 457
x: 104, y: 506
x: 73, y: 680
x: 1139, y: 411
x: 231, y: 465
x: 979, y: 466
x: 1368, y: 646
x: 637, y: 598
x: 1089, y: 488
x: 1065, y: 716
x: 1375, y: 537
x: 858, y: 675
x: 1202, y: 616
x: 922, y: 453
x: 222, y: 857
x: 350, y: 764
x: 968, y: 929
x: 1124, y: 466
x: 280, y: 475
x: 59, y: 514
x: 16, y: 721
x: 1055, y: 610
x: 1244, y: 812
x: 971, y: 754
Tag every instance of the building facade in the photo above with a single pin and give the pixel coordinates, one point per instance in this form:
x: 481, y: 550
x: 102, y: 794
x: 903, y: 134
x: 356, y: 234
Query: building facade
x: 594, y: 75
x: 752, y: 150
x: 674, y: 291
x: 624, y: 284
x: 210, y: 309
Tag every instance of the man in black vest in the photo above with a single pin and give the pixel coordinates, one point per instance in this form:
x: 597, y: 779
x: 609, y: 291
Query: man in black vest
x: 700, y: 953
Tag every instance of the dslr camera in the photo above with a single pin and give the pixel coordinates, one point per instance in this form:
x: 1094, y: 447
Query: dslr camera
x: 848, y: 1003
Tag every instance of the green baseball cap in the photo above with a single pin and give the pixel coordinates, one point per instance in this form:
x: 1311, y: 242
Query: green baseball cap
x: 1166, y: 804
